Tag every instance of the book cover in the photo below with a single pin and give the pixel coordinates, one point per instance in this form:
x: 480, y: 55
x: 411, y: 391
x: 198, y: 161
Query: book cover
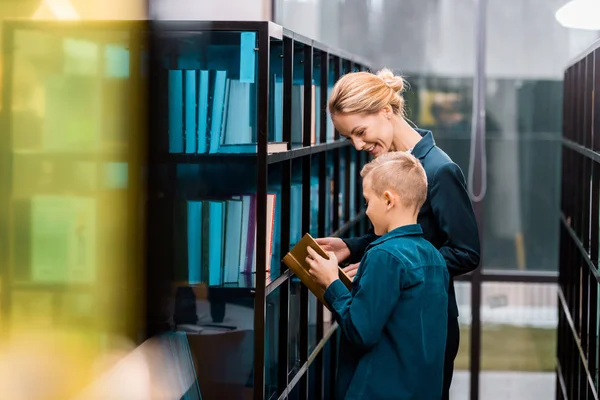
x: 295, y: 260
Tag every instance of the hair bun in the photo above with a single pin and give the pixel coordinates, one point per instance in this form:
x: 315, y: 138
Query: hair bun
x: 396, y: 83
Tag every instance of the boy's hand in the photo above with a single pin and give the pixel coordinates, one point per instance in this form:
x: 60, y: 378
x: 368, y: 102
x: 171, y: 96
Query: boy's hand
x: 323, y: 271
x: 335, y: 245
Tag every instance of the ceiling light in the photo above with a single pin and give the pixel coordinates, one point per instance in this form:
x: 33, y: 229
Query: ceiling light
x: 580, y: 14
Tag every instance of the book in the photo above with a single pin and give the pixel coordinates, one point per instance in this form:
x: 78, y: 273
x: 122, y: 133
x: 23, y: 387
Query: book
x: 295, y: 260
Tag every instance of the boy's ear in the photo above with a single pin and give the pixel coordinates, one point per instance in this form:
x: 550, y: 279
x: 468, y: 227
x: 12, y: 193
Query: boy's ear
x: 389, y: 199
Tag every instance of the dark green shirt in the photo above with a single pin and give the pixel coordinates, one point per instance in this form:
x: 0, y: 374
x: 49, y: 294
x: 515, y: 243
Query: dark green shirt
x: 394, y: 321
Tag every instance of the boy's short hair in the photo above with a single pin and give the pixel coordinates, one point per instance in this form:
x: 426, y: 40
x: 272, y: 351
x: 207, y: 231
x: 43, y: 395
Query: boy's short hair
x: 400, y: 172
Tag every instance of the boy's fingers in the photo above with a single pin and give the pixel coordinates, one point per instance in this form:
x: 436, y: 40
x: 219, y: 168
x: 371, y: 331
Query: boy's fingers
x: 312, y: 253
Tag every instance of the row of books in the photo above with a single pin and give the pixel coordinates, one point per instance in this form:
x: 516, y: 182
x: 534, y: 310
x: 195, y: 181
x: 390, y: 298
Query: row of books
x: 58, y: 235
x: 210, y: 112
x: 215, y: 238
x: 219, y: 238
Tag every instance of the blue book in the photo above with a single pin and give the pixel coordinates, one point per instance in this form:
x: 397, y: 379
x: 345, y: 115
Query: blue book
x: 233, y: 240
x: 194, y: 241
x: 278, y: 109
x: 190, y: 112
x: 213, y: 223
x: 175, y: 111
x: 202, y: 111
x: 247, y: 56
x: 218, y: 107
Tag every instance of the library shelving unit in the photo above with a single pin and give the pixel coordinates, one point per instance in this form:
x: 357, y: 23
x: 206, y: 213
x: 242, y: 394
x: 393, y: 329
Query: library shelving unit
x: 579, y: 279
x: 70, y: 176
x: 243, y: 160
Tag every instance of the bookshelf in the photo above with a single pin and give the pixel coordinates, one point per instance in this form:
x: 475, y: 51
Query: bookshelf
x: 579, y: 252
x: 222, y: 209
x: 71, y: 154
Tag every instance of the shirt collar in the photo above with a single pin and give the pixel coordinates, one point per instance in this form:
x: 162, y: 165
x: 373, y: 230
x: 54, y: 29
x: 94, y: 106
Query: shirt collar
x: 405, y: 230
x: 424, y: 145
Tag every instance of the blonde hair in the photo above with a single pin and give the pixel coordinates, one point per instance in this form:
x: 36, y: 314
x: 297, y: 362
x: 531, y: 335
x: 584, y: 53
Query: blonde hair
x: 401, y: 173
x: 365, y: 92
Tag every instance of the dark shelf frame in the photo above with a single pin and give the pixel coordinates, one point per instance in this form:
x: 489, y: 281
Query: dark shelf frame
x: 322, y: 152
x: 577, y: 342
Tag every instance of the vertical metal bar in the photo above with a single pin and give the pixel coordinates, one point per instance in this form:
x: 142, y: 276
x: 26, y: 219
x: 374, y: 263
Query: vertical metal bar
x: 286, y: 182
x: 324, y: 191
x: 308, y: 127
x: 262, y: 128
x: 337, y: 73
x: 284, y: 289
x: 336, y: 158
x: 358, y: 203
x: 306, y: 170
x: 346, y: 197
x: 6, y: 163
x: 596, y: 102
x: 333, y: 343
x: 586, y: 182
x: 336, y: 192
x: 137, y: 154
x: 288, y: 81
x: 479, y: 129
x: 595, y: 223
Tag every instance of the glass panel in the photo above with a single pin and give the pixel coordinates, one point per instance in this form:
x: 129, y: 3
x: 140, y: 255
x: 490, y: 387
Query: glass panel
x: 444, y: 106
x: 524, y: 168
x: 209, y: 90
x: 519, y: 324
x: 524, y: 97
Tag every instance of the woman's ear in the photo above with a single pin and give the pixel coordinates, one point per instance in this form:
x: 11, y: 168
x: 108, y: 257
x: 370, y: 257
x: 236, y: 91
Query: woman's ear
x: 387, y: 112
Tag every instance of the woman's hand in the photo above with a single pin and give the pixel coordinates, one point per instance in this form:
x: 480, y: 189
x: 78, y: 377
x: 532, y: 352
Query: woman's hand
x: 351, y: 270
x: 323, y: 271
x: 335, y: 245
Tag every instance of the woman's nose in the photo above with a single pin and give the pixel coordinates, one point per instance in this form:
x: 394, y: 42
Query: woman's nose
x: 358, y: 143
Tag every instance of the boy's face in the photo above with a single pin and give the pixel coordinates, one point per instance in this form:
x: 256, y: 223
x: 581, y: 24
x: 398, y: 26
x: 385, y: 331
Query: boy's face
x: 377, y: 208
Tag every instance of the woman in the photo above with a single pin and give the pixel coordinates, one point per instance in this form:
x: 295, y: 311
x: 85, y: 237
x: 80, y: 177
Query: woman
x: 368, y: 109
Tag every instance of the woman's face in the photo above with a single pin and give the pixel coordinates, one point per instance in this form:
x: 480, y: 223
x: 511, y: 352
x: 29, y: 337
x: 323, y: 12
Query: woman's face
x: 373, y: 133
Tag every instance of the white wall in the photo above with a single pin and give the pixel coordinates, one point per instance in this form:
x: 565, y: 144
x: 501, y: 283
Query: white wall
x: 210, y: 10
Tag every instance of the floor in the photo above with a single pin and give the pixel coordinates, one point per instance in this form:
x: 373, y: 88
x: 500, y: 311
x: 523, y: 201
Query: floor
x: 498, y: 385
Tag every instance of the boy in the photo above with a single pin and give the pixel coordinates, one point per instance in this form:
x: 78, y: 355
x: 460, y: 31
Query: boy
x: 394, y: 321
